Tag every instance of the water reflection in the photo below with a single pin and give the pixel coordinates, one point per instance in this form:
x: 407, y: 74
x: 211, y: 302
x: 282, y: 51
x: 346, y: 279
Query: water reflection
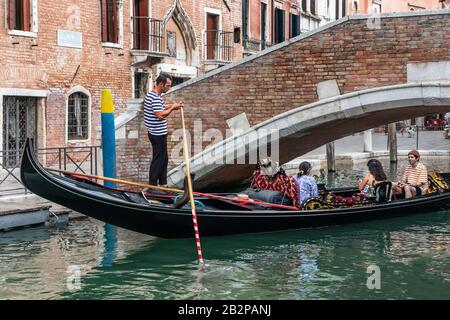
x: 326, y: 263
x: 34, y: 262
x: 110, y: 245
x: 413, y: 254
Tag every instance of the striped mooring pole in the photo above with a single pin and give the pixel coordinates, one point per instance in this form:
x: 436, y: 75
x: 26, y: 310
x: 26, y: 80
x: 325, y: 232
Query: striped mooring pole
x: 108, y: 137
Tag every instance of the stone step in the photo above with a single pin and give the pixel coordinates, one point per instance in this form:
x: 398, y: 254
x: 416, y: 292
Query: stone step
x: 31, y: 210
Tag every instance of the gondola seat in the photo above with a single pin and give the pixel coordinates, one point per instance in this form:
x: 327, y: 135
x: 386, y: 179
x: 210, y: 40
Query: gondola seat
x: 383, y: 192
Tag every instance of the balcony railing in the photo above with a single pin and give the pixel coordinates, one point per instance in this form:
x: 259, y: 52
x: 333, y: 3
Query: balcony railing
x: 218, y: 45
x: 148, y: 35
x: 255, y: 45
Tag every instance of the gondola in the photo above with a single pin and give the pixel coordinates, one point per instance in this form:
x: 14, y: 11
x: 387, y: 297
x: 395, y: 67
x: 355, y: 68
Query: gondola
x: 156, y: 214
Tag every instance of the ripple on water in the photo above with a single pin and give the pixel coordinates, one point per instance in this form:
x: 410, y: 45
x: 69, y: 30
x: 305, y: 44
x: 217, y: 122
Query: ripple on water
x: 412, y: 254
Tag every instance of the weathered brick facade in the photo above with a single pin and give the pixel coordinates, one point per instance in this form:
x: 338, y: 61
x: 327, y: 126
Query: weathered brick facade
x: 58, y: 69
x: 34, y: 64
x: 355, y: 55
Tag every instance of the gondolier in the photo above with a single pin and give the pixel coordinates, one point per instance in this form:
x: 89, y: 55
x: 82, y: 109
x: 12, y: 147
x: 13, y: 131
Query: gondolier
x: 155, y: 114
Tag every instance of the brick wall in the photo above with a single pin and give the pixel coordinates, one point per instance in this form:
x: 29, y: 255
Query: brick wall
x: 286, y: 78
x: 195, y: 10
x: 93, y: 67
x: 38, y: 63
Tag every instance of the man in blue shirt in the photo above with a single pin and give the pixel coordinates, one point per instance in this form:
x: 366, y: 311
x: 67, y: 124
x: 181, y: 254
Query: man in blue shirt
x: 155, y: 114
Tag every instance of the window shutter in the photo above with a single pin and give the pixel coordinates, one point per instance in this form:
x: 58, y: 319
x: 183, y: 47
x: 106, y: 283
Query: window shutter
x: 104, y: 21
x: 11, y: 19
x: 26, y: 15
x: 142, y: 26
x: 116, y: 22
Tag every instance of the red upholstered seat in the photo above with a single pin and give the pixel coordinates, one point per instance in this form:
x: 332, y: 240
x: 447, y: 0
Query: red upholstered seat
x: 279, y: 182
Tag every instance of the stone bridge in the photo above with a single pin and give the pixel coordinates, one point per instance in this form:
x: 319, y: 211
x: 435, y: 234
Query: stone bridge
x: 303, y: 129
x: 367, y: 71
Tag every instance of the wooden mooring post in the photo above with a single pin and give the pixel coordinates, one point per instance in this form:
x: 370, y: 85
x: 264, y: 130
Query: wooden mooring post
x: 331, y: 157
x: 392, y: 142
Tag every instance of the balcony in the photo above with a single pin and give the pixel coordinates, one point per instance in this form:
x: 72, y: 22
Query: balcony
x: 252, y: 45
x: 308, y: 22
x: 218, y: 47
x: 148, y: 38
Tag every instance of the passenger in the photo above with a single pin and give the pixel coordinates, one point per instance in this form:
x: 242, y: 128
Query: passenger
x: 375, y: 175
x: 415, y: 178
x: 307, y: 186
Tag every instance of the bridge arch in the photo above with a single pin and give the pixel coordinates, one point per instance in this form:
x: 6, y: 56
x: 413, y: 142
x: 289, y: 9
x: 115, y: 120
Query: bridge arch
x: 308, y: 127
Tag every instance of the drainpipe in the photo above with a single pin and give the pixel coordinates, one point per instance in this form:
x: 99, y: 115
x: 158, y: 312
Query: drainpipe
x: 244, y: 23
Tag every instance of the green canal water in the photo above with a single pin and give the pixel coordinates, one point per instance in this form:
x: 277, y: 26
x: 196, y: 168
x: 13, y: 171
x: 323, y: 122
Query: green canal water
x: 79, y: 261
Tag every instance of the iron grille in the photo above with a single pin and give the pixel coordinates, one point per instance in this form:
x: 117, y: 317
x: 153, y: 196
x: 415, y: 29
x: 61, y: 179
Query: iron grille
x: 78, y: 116
x: 148, y: 34
x: 19, y: 122
x: 219, y: 45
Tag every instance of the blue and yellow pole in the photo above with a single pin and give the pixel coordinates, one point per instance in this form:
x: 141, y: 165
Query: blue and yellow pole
x: 109, y: 169
x: 108, y: 137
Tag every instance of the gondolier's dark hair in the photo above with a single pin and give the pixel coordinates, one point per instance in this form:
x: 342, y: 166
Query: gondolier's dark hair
x: 162, y: 78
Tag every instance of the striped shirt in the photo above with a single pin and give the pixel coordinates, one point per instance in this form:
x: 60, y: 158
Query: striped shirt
x: 417, y: 176
x: 153, y: 103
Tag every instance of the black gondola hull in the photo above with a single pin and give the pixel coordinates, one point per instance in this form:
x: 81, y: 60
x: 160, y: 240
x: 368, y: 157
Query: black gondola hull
x: 167, y: 222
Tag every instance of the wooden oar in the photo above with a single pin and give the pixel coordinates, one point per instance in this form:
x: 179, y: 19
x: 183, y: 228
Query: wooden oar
x: 136, y: 184
x: 142, y: 185
x: 191, y: 194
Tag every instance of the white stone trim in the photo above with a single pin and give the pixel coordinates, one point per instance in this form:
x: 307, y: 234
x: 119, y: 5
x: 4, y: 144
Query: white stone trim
x: 23, y: 92
x: 20, y: 33
x: 428, y: 71
x: 177, y: 70
x: 112, y: 45
x: 83, y: 90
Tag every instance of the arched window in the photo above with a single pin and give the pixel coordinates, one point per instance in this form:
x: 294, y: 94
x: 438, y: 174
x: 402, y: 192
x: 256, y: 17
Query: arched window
x: 78, y: 116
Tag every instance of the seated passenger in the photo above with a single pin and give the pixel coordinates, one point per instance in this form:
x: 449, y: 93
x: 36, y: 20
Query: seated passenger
x: 415, y: 178
x: 307, y: 186
x: 374, y: 176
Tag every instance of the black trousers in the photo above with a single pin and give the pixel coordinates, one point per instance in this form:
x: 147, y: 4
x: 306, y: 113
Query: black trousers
x: 160, y: 160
